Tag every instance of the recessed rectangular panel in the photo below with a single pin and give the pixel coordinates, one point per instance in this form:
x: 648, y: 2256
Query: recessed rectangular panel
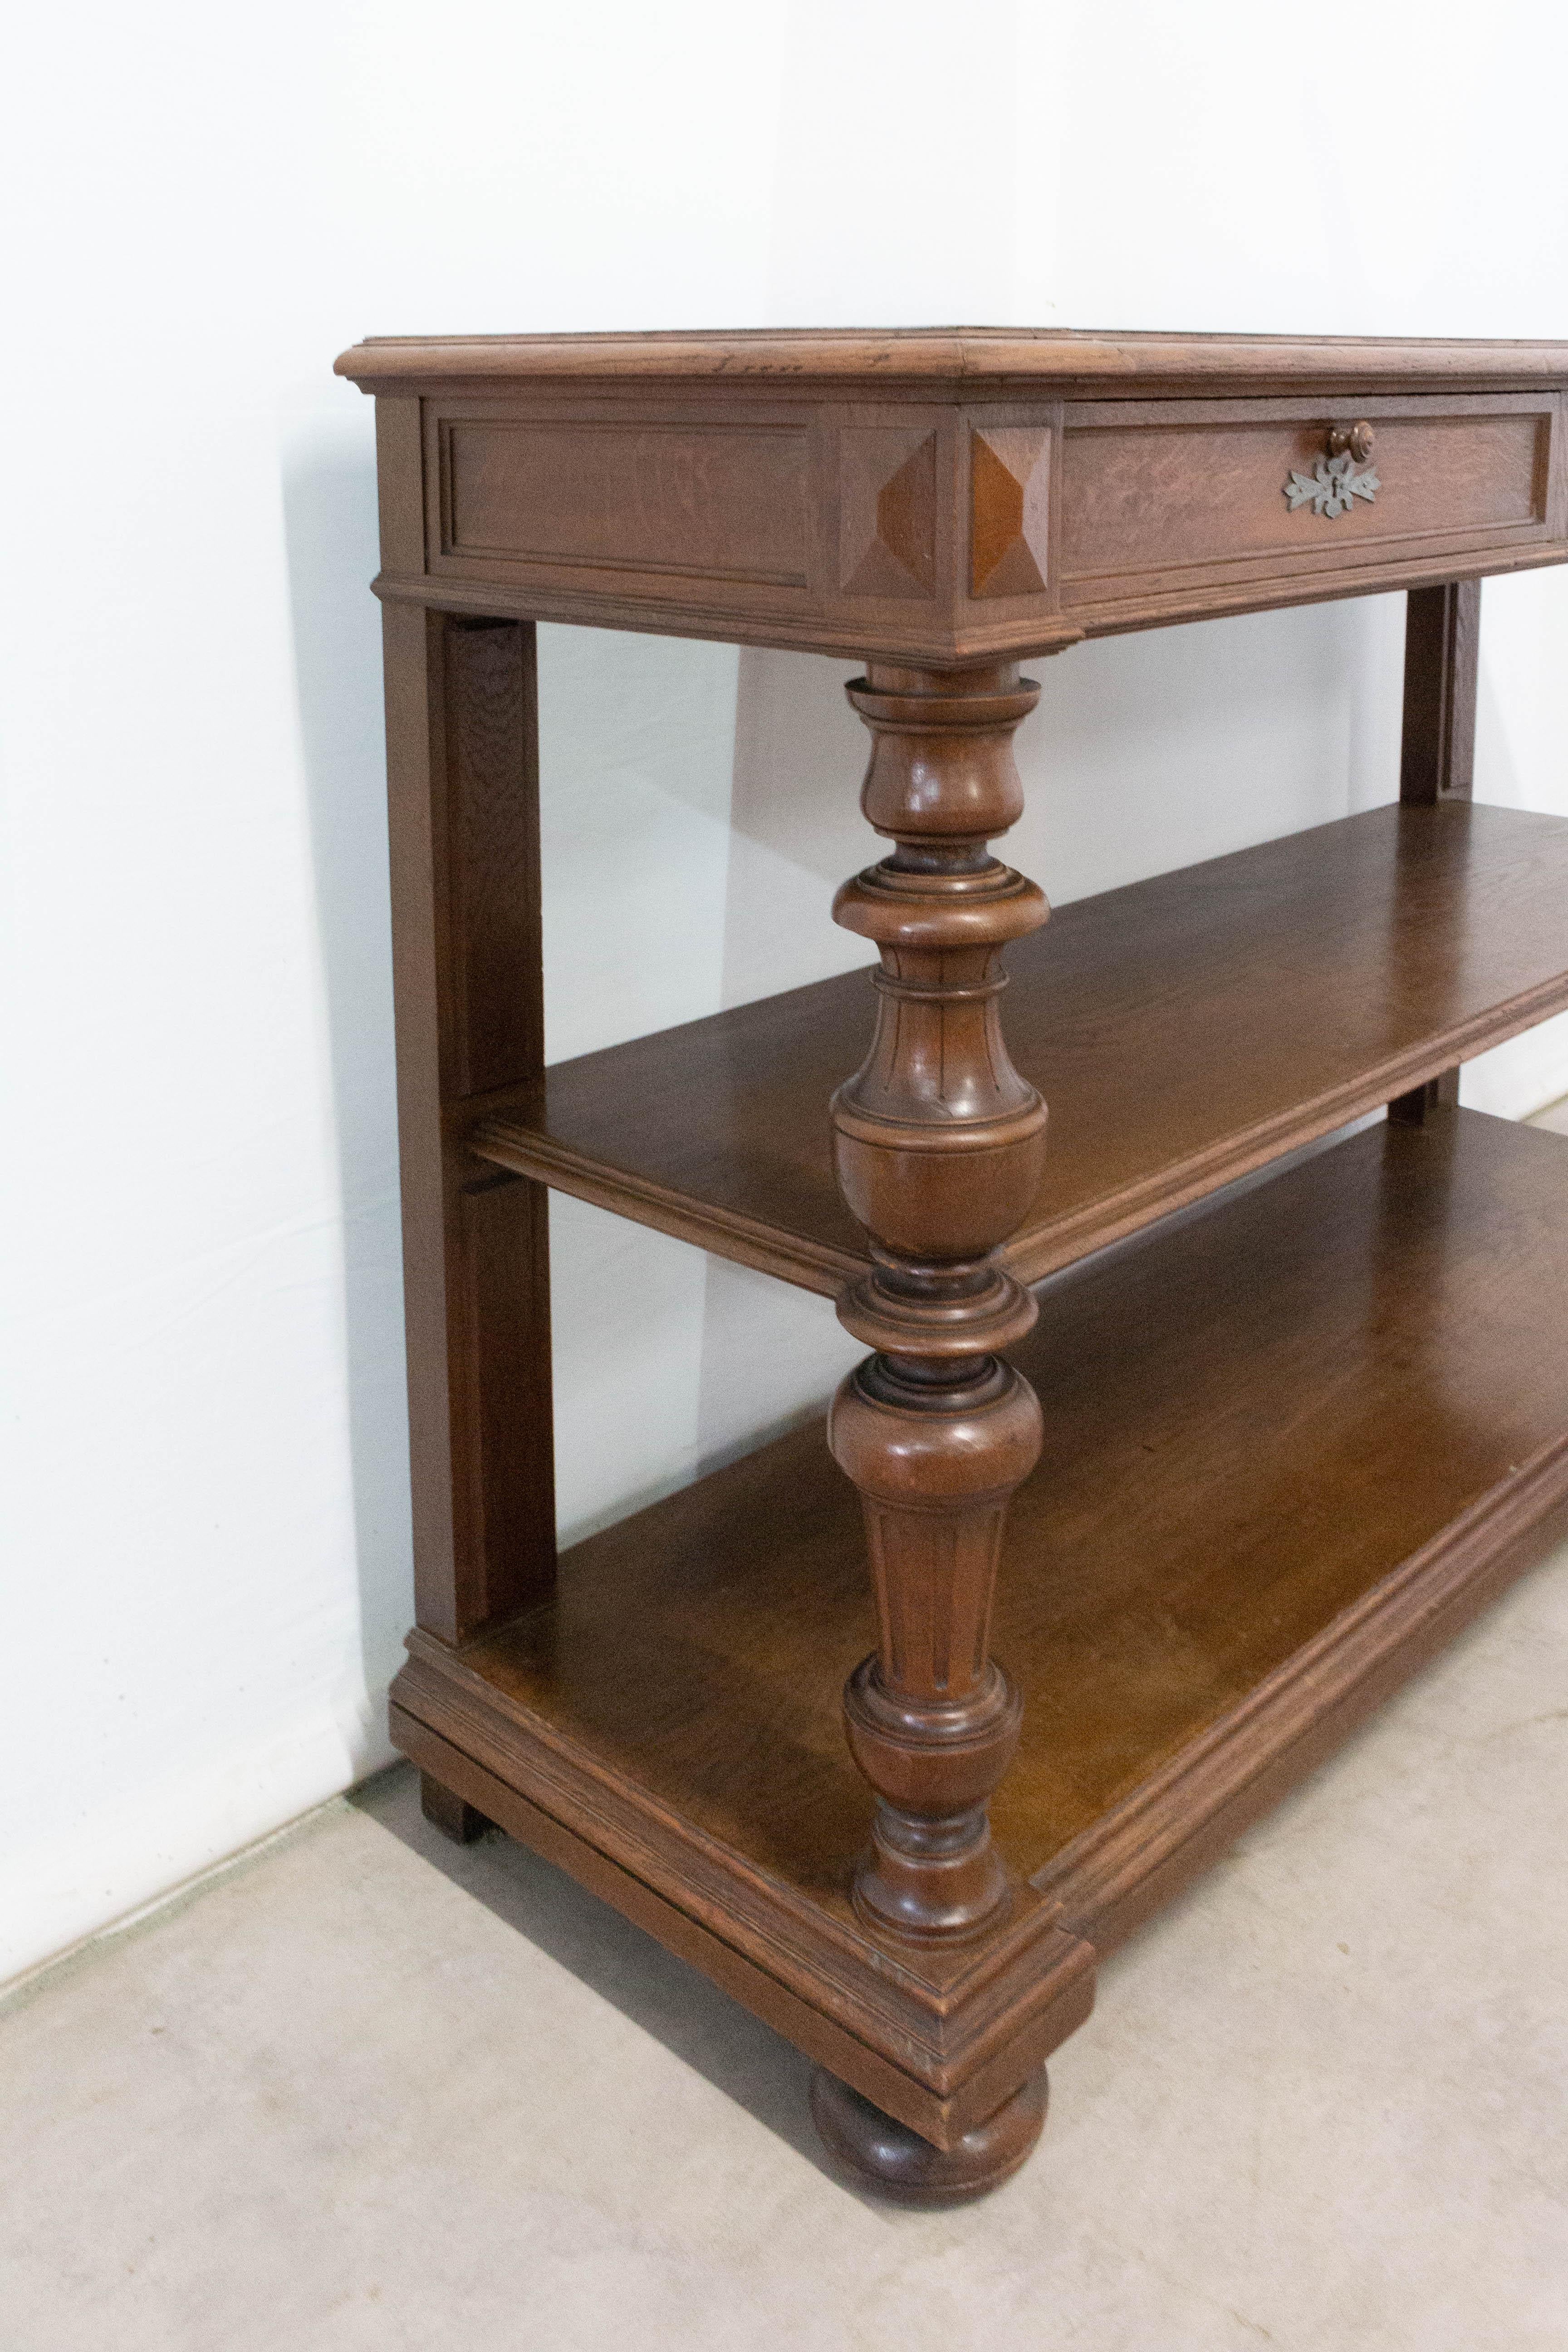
x: 717, y: 501
x: 1150, y: 504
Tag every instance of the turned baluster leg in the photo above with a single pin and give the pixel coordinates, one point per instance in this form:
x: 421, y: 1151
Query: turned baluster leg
x: 939, y: 1144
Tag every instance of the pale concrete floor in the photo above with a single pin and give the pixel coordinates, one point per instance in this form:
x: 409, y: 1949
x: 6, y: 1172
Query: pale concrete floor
x: 368, y: 2091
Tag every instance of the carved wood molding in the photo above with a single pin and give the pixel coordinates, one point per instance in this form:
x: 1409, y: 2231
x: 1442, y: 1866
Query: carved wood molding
x: 887, y: 512
x: 1009, y: 495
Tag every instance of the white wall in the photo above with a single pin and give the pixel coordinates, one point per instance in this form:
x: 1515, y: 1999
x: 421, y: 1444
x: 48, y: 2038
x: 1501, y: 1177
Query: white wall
x: 206, y: 1542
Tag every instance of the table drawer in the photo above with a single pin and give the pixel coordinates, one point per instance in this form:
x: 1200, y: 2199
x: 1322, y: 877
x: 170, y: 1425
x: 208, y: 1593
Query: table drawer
x: 1162, y: 500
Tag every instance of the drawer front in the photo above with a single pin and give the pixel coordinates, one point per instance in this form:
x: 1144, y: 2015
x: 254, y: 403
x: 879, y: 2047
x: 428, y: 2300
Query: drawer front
x: 1165, y: 503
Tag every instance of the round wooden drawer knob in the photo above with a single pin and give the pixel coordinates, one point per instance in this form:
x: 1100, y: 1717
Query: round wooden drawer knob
x: 1357, y: 438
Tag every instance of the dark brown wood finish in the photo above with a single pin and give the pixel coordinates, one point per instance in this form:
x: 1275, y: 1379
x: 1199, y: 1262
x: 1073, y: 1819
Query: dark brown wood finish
x: 1288, y: 1441
x: 1075, y: 360
x: 460, y: 1822
x: 1438, y: 751
x: 464, y: 881
x: 1172, y: 508
x: 1442, y: 655
x: 938, y: 1145
x: 943, y: 500
x: 898, y: 2163
x: 1183, y: 1031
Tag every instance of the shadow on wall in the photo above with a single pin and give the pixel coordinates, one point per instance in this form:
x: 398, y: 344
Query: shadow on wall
x: 1146, y: 752
x: 1515, y: 1079
x: 1155, y: 750
x: 330, y: 522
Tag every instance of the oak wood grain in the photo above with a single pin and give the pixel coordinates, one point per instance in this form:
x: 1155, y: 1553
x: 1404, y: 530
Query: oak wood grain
x: 1061, y: 357
x: 1056, y: 1979
x: 1182, y: 1031
x: 1164, y: 499
x: 721, y: 501
x: 1442, y: 650
x: 950, y: 499
x: 1438, y: 745
x: 1289, y: 1441
x: 463, y: 787
x: 938, y: 1143
x: 979, y: 640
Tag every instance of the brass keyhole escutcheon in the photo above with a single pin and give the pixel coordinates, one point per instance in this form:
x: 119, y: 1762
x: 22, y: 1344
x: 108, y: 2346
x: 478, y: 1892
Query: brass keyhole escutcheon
x: 1356, y: 438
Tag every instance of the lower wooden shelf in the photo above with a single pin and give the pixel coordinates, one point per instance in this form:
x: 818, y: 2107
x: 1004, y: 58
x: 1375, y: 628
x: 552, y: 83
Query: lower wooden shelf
x: 1292, y: 1442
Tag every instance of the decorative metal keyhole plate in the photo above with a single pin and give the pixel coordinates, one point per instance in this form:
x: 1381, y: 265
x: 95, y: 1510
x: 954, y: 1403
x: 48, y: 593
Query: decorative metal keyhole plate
x: 1330, y: 487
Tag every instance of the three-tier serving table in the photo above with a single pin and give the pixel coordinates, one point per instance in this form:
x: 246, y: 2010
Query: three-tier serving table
x: 1128, y: 1515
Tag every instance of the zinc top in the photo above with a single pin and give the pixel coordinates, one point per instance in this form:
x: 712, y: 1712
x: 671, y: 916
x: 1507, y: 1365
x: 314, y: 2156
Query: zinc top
x: 952, y: 495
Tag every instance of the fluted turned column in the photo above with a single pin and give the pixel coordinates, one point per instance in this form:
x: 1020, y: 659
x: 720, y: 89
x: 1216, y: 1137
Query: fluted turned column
x: 939, y: 1145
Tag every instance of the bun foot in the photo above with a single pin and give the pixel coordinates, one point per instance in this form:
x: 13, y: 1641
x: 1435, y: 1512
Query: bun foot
x: 898, y: 2163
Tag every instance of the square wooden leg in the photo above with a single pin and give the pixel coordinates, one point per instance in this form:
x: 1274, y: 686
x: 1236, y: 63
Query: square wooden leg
x: 462, y: 1824
x: 463, y: 777
x: 1438, y: 758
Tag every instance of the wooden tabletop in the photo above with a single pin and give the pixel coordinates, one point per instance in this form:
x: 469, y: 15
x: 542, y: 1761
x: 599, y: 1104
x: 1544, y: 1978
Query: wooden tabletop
x: 1057, y: 359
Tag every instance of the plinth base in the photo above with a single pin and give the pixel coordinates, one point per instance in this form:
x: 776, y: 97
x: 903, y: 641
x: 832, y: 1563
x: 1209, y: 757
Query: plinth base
x: 1293, y: 1445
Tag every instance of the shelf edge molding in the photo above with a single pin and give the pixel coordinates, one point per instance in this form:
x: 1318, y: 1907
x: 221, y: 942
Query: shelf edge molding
x: 1402, y: 1248
x: 547, y: 1130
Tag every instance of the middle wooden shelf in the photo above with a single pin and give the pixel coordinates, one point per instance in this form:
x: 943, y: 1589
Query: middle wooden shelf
x: 1183, y: 1030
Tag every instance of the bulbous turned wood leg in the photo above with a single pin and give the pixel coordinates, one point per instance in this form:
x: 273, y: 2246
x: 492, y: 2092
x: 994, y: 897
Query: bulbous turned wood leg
x: 890, y: 2157
x: 939, y: 1146
x: 932, y: 1722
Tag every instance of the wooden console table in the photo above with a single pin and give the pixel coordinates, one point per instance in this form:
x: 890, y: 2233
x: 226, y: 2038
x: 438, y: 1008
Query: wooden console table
x: 1262, y: 1458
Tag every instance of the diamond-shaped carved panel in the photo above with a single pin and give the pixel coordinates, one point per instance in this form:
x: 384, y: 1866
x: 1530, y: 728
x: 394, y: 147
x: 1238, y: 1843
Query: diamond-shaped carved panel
x: 887, y: 507
x: 1009, y: 484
